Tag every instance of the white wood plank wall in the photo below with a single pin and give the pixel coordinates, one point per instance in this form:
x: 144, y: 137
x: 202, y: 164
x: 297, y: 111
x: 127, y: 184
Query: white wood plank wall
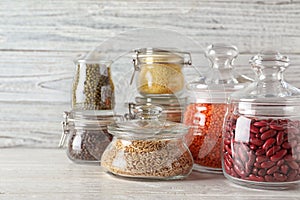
x: 39, y: 39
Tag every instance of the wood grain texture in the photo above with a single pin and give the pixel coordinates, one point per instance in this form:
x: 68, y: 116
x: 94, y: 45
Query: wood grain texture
x: 49, y: 175
x: 39, y: 40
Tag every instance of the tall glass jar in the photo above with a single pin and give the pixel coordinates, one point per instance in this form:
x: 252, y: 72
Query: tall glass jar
x: 206, y: 107
x: 93, y: 88
x: 261, y: 142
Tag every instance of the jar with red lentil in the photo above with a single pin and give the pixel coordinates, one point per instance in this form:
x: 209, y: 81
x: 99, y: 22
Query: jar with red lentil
x: 261, y: 143
x: 206, y: 107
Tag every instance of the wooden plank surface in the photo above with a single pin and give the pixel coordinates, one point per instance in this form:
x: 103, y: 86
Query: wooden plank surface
x: 39, y: 40
x: 48, y: 174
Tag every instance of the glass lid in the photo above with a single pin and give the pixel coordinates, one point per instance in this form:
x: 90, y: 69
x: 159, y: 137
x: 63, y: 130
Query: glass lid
x: 147, y: 124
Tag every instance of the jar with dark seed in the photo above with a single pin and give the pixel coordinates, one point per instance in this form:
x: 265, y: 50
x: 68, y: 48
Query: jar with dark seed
x: 262, y: 120
x: 87, y: 135
x: 207, y: 106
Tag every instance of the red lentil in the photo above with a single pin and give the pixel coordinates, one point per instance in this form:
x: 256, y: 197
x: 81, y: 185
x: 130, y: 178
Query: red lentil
x: 205, y: 135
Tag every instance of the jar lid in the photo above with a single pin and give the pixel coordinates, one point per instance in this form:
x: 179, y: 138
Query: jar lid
x: 149, y: 125
x: 92, y: 120
x: 221, y: 80
x: 157, y: 55
x: 166, y: 102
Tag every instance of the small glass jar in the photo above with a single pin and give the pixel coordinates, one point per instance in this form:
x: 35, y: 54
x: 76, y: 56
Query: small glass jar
x: 93, y: 88
x: 261, y: 140
x: 87, y: 135
x: 206, y: 107
x: 160, y: 71
x: 148, y: 147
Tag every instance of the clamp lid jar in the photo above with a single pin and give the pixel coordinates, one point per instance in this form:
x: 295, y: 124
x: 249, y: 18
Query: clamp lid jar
x: 87, y: 135
x: 148, y: 147
x: 261, y: 141
x: 206, y: 106
x: 160, y: 70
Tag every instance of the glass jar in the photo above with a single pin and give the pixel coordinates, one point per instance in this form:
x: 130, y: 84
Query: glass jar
x: 261, y: 141
x: 148, y: 147
x: 93, y: 88
x: 160, y: 71
x: 206, y: 107
x: 87, y: 135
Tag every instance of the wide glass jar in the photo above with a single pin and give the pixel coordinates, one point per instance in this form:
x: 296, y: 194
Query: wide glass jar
x: 86, y: 135
x: 148, y: 147
x: 159, y: 71
x: 261, y: 141
x: 206, y: 107
x: 93, y: 88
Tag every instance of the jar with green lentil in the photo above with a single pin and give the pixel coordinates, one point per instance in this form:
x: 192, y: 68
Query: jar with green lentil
x: 206, y: 107
x: 93, y: 88
x: 159, y: 71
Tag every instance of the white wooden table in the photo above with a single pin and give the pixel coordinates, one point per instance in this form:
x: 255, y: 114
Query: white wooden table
x: 48, y: 174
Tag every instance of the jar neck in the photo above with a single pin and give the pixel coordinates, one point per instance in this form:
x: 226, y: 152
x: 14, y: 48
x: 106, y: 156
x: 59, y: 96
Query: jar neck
x: 222, y: 64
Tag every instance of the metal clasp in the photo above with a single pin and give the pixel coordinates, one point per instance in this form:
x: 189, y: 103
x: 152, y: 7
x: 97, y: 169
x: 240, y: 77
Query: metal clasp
x: 65, y: 129
x: 135, y: 65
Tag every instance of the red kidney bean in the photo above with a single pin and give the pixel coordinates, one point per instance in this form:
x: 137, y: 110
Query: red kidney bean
x: 293, y: 143
x: 261, y: 172
x: 272, y: 151
x: 228, y: 149
x: 254, y: 171
x: 261, y: 159
x: 276, y: 127
x: 293, y: 165
x: 256, y: 141
x: 284, y: 169
x: 269, y: 178
x: 272, y: 170
x: 260, y: 152
x: 233, y: 173
x: 279, y: 155
x: 227, y: 142
x: 264, y: 129
x: 292, y: 175
x: 227, y: 165
x: 280, y: 138
x: 257, y: 165
x: 268, y: 134
x: 288, y: 158
x: 280, y: 162
x: 286, y: 145
x: 254, y: 129
x: 252, y: 177
x: 253, y: 147
x: 268, y: 143
x: 280, y: 177
x: 292, y: 130
x: 239, y: 171
x: 267, y: 164
x: 260, y: 123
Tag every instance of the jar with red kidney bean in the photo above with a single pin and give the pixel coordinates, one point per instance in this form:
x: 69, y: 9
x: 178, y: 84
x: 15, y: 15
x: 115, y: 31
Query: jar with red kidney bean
x: 261, y: 132
x: 206, y: 107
